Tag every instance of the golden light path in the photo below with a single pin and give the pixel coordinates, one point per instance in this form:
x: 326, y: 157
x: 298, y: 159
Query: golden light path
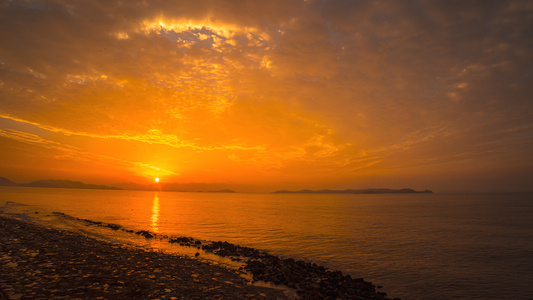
x: 155, y: 213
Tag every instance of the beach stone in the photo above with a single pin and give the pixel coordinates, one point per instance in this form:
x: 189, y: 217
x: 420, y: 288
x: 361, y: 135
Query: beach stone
x: 87, y: 268
x: 114, y: 226
x: 58, y: 258
x: 144, y: 233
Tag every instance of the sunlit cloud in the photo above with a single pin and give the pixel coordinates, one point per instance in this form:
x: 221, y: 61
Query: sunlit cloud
x: 286, y: 89
x: 153, y: 136
x: 198, y: 27
x: 72, y: 153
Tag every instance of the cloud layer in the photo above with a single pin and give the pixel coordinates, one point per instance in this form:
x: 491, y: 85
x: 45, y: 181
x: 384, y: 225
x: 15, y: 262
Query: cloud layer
x: 307, y: 92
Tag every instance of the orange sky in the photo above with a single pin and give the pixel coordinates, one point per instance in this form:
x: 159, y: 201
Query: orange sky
x: 265, y: 95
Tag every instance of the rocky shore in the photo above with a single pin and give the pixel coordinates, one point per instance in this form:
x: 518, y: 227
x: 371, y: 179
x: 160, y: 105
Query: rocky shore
x: 310, y: 280
x: 39, y: 262
x: 45, y: 263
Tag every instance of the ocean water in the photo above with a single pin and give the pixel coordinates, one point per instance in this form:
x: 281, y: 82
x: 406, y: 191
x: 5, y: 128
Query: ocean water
x: 417, y: 246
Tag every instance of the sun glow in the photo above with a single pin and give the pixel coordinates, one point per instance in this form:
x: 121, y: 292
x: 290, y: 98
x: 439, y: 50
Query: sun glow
x: 156, y: 180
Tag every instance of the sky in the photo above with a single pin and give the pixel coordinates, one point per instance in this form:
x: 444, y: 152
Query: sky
x: 266, y: 95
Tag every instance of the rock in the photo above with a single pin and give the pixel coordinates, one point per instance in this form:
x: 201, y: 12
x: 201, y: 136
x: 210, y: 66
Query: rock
x: 85, y: 268
x: 144, y: 233
x: 183, y: 241
x: 114, y: 226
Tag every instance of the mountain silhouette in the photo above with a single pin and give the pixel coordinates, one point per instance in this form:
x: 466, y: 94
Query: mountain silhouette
x: 51, y: 183
x: 6, y: 182
x: 350, y: 191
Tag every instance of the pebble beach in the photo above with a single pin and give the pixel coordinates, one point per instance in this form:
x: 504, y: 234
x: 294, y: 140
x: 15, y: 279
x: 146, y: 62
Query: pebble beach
x: 46, y: 263
x: 41, y: 262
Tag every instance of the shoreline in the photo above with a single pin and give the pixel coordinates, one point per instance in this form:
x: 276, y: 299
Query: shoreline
x: 40, y: 262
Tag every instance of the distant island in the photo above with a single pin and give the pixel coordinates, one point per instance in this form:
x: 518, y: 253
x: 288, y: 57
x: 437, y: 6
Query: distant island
x: 6, y: 182
x: 350, y: 191
x: 222, y: 191
x: 65, y: 184
x: 69, y: 184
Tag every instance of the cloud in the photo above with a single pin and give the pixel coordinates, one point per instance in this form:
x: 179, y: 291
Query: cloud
x: 277, y: 86
x: 70, y: 153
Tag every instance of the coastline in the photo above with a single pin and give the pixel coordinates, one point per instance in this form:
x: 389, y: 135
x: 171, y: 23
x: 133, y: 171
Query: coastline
x: 40, y: 262
x: 45, y: 263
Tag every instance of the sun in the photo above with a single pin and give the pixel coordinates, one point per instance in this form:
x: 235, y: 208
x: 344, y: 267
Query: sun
x: 156, y: 180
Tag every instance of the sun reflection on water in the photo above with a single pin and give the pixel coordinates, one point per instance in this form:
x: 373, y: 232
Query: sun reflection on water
x: 155, y: 213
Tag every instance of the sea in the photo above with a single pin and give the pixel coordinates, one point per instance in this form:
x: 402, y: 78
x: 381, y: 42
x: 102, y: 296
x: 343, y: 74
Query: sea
x: 412, y: 246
